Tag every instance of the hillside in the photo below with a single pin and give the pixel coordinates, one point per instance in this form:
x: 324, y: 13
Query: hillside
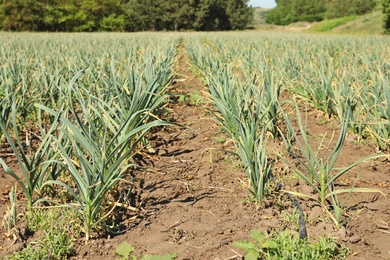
x: 365, y: 24
x: 368, y: 24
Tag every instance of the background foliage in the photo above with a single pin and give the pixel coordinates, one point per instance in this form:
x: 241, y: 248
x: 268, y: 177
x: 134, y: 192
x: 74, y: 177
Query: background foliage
x: 290, y: 11
x: 125, y: 15
x: 386, y: 12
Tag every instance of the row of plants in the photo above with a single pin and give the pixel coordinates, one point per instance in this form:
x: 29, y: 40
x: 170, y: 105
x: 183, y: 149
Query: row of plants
x: 75, y: 110
x: 246, y: 79
x: 323, y: 71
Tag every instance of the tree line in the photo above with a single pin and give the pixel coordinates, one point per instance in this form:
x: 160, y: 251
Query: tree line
x: 124, y: 15
x: 386, y: 12
x: 290, y: 11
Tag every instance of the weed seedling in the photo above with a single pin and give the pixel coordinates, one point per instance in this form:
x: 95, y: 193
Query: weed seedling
x: 124, y: 251
x: 283, y: 245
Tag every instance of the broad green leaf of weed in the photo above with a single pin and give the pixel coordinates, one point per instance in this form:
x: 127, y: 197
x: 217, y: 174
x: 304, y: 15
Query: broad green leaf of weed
x: 124, y: 250
x: 252, y: 255
x: 269, y: 244
x: 245, y: 245
x: 257, y: 235
x: 170, y: 256
x: 182, y: 98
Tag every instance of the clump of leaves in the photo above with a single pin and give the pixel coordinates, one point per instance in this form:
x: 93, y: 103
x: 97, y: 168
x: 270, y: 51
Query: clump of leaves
x: 283, y: 245
x: 124, y: 251
x: 55, y: 229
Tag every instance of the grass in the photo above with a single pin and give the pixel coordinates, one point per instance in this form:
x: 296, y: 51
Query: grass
x: 55, y: 232
x: 328, y: 25
x: 284, y: 245
x: 368, y: 24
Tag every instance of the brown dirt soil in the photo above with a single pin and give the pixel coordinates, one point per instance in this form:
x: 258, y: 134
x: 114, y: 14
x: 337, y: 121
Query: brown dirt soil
x: 193, y: 199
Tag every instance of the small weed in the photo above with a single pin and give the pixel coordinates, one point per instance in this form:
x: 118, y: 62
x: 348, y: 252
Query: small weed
x: 250, y: 199
x: 125, y: 249
x: 196, y: 98
x: 221, y: 139
x: 282, y: 245
x: 57, y: 229
x: 234, y: 164
x: 291, y: 220
x: 182, y: 98
x: 322, y: 121
x: 360, y: 141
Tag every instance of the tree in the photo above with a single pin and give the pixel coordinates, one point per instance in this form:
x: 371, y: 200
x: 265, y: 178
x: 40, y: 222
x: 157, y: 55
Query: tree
x: 240, y: 15
x: 341, y: 8
x: 144, y: 15
x: 91, y: 13
x: 386, y: 12
x: 124, y: 15
x: 22, y: 15
x: 289, y: 11
x: 211, y: 16
x: 282, y: 14
x: 60, y: 16
x: 308, y: 10
x: 178, y: 14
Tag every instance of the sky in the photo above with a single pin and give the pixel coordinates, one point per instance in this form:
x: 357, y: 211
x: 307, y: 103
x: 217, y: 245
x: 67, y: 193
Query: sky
x: 262, y: 3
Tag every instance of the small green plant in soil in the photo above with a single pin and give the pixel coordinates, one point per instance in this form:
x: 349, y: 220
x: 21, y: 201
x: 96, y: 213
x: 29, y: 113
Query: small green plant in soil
x: 283, y: 245
x: 53, y: 232
x: 9, y: 220
x: 196, y: 98
x: 291, y: 219
x: 319, y: 171
x: 124, y: 250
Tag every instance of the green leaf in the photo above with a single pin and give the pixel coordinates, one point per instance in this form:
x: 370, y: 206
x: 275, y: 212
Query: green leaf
x: 245, y: 245
x: 124, y: 249
x: 257, y: 235
x: 252, y: 255
x: 269, y: 244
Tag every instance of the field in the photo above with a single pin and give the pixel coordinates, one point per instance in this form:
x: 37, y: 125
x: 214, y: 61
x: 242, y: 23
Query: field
x: 194, y: 146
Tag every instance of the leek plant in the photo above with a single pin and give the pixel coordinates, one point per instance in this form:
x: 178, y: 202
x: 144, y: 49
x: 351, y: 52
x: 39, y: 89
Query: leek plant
x: 379, y: 128
x: 34, y: 161
x: 241, y: 115
x: 247, y: 109
x: 318, y: 91
x: 85, y: 132
x: 319, y: 171
x: 101, y: 138
x: 5, y: 110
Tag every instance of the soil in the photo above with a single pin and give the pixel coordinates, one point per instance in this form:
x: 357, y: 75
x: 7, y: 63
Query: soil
x: 194, y: 201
